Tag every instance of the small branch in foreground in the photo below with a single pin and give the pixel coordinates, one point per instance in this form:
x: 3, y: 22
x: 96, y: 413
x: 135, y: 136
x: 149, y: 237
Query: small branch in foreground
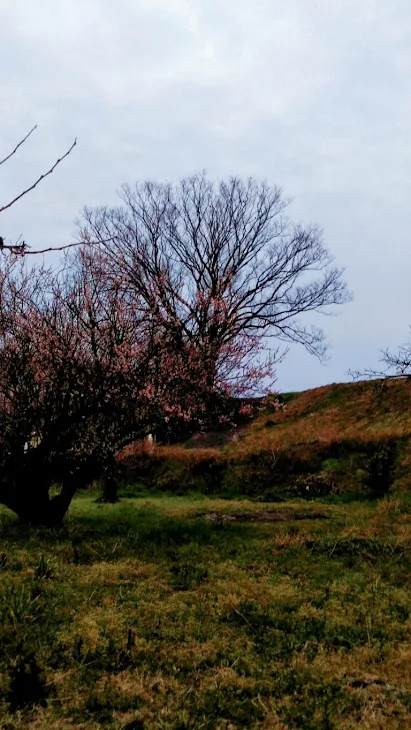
x: 22, y: 141
x: 44, y: 175
x: 21, y: 249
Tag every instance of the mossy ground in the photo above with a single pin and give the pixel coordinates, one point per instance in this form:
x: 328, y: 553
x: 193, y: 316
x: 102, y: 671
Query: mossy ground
x: 145, y: 614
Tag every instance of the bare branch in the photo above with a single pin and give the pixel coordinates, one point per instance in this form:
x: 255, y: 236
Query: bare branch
x: 18, y: 145
x: 69, y: 245
x: 21, y: 249
x: 44, y: 175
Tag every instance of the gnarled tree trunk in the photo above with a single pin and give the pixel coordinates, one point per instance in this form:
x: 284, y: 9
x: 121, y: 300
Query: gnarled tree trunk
x: 109, y: 481
x: 33, y: 505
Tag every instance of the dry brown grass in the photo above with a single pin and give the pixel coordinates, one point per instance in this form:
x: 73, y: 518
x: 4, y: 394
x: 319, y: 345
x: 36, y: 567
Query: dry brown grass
x: 365, y: 410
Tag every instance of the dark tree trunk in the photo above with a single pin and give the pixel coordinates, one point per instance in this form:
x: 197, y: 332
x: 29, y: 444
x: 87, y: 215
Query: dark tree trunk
x: 40, y: 509
x: 109, y: 491
x: 30, y: 500
x: 49, y: 513
x: 27, y: 494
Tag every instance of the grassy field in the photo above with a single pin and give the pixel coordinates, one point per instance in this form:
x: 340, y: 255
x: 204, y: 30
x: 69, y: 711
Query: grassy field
x: 194, y: 612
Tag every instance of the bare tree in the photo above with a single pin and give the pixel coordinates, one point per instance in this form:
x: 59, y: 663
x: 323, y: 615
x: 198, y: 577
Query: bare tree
x: 394, y: 364
x: 221, y: 262
x: 398, y: 364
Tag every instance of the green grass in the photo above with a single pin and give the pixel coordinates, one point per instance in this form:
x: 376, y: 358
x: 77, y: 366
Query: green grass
x: 145, y: 614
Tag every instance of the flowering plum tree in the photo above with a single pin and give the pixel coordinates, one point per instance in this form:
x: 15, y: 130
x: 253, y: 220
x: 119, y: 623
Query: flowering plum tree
x: 85, y: 369
x: 69, y: 356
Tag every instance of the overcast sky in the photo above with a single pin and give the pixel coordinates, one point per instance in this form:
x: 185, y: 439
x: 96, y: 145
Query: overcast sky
x: 314, y: 96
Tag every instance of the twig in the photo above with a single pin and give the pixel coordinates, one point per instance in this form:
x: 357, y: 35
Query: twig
x: 67, y: 245
x: 19, y: 145
x: 244, y: 618
x: 21, y: 249
x: 29, y: 189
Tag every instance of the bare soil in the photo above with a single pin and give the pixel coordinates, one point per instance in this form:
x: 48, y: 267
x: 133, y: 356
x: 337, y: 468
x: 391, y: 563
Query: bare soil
x: 263, y: 516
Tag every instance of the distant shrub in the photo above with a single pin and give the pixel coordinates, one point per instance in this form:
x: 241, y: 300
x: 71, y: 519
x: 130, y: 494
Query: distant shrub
x: 173, y: 475
x: 313, y: 469
x: 185, y: 472
x: 367, y: 462
x: 380, y: 469
x: 331, y: 465
x: 311, y: 486
x: 269, y: 473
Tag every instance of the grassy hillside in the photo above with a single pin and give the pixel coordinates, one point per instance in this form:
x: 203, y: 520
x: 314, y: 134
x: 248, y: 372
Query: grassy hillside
x: 350, y: 437
x: 368, y: 410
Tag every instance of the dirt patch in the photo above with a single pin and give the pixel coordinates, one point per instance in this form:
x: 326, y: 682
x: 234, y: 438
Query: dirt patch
x: 366, y: 681
x: 263, y: 516
x: 213, y: 439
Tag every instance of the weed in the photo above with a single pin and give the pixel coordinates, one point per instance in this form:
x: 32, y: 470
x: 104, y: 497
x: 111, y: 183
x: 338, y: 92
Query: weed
x: 188, y: 575
x: 43, y: 569
x: 27, y: 688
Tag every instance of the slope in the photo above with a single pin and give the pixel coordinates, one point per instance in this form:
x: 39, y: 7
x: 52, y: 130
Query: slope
x: 347, y: 437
